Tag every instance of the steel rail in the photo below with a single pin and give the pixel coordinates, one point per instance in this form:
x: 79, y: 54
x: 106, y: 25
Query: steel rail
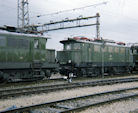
x: 52, y: 104
x: 43, y: 89
x: 26, y: 83
x: 99, y: 103
x: 97, y: 81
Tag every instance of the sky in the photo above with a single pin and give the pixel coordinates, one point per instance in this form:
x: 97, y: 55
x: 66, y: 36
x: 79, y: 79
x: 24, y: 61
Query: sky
x: 118, y: 18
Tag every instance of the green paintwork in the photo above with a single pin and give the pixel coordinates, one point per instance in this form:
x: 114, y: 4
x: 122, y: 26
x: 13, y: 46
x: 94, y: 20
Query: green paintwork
x: 135, y: 56
x: 92, y: 52
x: 25, y: 57
x: 23, y: 54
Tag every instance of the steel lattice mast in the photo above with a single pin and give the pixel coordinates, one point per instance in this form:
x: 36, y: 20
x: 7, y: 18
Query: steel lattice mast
x: 23, y: 14
x: 97, y: 26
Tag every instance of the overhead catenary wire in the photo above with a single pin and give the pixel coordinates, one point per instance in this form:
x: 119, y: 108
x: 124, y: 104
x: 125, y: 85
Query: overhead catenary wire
x: 74, y: 9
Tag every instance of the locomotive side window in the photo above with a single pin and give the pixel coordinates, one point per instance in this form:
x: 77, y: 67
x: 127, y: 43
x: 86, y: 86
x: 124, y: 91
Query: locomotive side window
x: 116, y: 49
x: 17, y: 43
x: 96, y: 48
x: 36, y: 43
x: 11, y: 42
x: 122, y: 50
x: 105, y: 49
x: 2, y: 41
x: 76, y: 46
x: 23, y: 43
x: 110, y: 49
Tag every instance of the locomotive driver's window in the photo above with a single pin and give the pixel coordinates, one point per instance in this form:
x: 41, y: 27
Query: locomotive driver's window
x: 36, y: 43
x: 68, y: 47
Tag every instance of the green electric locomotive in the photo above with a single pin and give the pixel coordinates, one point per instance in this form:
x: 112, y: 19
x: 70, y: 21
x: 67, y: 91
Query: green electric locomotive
x: 24, y: 57
x: 134, y: 48
x: 85, y: 57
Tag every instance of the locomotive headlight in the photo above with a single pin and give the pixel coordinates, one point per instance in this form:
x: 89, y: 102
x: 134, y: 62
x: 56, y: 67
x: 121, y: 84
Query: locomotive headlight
x: 43, y: 59
x: 69, y: 61
x: 21, y: 57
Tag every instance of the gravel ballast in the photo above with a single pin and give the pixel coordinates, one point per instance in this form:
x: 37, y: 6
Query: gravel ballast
x: 126, y: 106
x: 41, y: 98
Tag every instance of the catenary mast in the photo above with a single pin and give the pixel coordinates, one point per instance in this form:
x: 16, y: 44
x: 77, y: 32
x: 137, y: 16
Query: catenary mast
x: 23, y: 14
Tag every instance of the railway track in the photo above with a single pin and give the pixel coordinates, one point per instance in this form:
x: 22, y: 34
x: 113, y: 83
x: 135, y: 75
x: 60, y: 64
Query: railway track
x: 27, y: 83
x: 71, y: 105
x: 49, y: 88
x: 53, y: 80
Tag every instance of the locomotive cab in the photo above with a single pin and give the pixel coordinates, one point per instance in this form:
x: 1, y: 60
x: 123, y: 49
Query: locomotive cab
x: 71, y: 50
x: 69, y: 58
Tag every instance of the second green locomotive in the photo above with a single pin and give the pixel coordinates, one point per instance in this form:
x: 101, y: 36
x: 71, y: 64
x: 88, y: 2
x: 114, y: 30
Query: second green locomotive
x: 84, y: 57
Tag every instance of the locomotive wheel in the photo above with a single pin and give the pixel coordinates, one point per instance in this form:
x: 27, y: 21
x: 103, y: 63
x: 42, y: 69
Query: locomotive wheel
x: 47, y: 73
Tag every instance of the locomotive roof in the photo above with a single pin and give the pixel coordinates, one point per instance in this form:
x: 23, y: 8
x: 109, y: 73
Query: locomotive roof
x: 3, y: 32
x: 135, y: 46
x: 93, y: 42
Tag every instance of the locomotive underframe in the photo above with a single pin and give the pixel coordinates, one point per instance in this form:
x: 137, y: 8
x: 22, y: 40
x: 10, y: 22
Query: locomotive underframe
x: 13, y: 72
x: 95, y: 69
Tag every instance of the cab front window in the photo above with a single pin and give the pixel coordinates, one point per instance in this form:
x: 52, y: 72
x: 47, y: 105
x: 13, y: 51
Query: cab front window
x: 67, y: 46
x: 72, y: 46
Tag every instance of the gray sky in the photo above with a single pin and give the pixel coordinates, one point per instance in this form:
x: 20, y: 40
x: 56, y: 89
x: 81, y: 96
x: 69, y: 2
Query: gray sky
x: 119, y: 18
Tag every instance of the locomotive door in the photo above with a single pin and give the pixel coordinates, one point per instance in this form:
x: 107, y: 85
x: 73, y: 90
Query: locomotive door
x: 127, y: 55
x: 36, y: 51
